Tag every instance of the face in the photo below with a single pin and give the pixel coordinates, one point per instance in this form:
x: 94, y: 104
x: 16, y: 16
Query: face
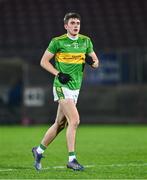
x: 73, y: 26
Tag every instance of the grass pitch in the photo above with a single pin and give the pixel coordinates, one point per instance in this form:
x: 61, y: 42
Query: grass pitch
x: 108, y: 152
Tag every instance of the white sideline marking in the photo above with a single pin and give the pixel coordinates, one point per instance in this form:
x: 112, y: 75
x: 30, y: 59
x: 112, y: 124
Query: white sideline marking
x: 1, y: 170
x: 87, y: 166
x: 53, y: 167
x: 123, y: 165
x: 63, y: 167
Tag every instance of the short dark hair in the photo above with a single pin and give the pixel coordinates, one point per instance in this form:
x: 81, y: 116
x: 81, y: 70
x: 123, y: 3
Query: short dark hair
x: 71, y: 15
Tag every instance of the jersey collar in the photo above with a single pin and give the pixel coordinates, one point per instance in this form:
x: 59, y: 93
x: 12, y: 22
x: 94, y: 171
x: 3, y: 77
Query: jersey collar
x: 72, y: 37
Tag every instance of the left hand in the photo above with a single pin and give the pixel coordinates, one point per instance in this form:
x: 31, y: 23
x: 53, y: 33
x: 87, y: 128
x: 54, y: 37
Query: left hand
x: 89, y: 61
x: 94, y: 60
x: 95, y: 64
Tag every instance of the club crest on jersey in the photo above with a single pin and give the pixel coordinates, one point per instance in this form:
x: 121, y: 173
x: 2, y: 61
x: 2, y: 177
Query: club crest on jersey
x: 75, y: 45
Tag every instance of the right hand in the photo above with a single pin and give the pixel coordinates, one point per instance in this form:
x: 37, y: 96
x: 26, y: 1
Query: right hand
x: 63, y: 77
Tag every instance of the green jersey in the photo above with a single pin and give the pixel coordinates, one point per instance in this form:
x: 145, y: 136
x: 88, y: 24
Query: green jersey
x: 70, y: 58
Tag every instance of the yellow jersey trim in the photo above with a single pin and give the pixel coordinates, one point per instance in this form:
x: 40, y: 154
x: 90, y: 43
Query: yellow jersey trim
x: 71, y: 58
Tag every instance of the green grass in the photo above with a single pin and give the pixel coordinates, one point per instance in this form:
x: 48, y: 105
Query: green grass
x: 110, y: 151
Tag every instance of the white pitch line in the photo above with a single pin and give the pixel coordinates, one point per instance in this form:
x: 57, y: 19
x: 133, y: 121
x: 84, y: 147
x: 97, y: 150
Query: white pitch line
x: 123, y: 165
x: 1, y: 170
x: 87, y: 166
x: 102, y: 165
x: 63, y: 167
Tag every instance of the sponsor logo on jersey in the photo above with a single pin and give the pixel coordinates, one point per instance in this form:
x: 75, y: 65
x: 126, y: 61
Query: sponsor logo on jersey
x: 67, y: 45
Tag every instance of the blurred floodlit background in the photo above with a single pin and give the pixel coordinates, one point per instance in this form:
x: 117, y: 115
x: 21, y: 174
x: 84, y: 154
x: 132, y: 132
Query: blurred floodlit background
x: 115, y: 93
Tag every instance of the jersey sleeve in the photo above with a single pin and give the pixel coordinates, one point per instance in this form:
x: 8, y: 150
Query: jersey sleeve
x: 89, y: 46
x: 52, y: 47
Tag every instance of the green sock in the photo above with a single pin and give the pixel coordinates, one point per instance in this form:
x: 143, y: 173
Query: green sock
x: 71, y: 156
x: 41, y: 148
x: 71, y: 153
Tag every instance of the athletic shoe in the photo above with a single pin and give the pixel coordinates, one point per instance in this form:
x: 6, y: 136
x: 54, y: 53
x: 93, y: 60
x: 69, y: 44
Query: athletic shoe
x: 37, y: 158
x: 75, y: 165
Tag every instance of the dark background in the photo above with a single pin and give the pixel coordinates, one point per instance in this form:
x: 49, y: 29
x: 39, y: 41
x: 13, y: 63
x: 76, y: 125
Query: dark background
x: 115, y: 93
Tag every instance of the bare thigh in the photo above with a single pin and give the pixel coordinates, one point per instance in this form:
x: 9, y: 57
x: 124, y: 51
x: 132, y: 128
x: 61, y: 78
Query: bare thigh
x: 61, y: 120
x: 69, y: 110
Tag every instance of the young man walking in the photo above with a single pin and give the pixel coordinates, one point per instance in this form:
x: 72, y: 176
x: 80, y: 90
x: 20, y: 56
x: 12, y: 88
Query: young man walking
x: 69, y: 51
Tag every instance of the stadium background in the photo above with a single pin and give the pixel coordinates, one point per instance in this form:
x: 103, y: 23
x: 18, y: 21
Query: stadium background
x: 115, y: 93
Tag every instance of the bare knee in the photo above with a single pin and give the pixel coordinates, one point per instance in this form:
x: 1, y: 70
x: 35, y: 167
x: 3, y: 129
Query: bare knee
x: 60, y: 125
x: 74, y: 122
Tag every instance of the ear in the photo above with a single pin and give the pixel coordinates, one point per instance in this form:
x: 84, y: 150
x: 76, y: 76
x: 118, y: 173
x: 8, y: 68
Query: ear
x: 65, y: 26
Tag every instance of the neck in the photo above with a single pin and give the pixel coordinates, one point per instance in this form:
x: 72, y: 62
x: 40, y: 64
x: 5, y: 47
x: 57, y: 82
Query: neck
x: 72, y: 37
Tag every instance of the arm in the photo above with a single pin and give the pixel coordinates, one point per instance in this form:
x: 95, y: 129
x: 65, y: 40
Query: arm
x: 95, y: 59
x: 47, y: 56
x: 45, y: 63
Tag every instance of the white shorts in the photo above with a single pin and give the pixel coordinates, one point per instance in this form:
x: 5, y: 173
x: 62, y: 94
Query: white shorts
x: 65, y: 93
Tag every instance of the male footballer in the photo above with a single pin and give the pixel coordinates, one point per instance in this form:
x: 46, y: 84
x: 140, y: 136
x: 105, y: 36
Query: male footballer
x: 69, y: 51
